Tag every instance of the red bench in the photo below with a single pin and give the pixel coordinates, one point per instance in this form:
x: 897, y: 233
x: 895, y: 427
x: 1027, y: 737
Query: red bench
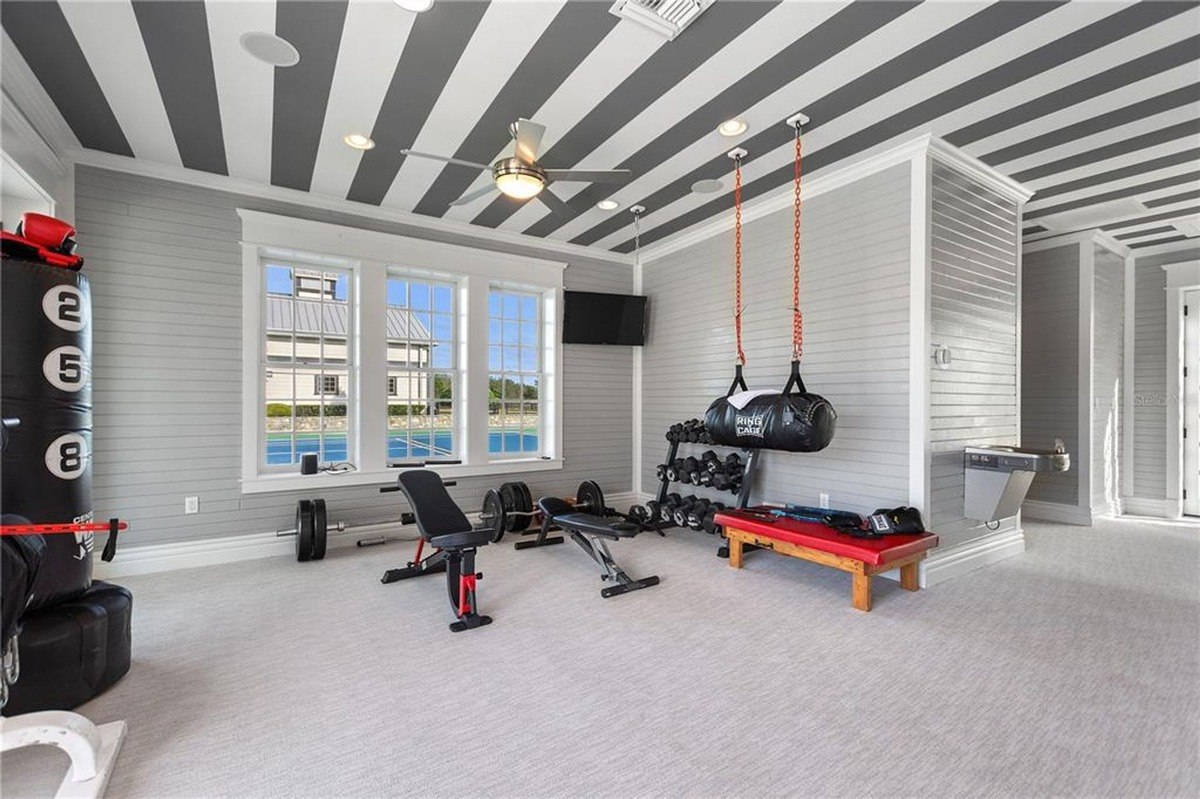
x: 862, y: 557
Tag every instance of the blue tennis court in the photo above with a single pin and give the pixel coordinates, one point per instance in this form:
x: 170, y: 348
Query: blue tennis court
x: 432, y: 444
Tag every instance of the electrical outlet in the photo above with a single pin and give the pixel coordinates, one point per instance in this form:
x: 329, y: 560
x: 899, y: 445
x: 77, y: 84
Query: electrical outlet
x: 824, y: 500
x: 191, y: 504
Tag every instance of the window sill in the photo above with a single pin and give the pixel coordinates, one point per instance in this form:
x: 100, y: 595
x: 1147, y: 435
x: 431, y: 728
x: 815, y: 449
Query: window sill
x: 273, y: 483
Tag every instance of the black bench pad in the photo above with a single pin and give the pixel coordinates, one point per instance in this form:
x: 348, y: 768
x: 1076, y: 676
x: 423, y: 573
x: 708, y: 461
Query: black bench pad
x: 564, y: 515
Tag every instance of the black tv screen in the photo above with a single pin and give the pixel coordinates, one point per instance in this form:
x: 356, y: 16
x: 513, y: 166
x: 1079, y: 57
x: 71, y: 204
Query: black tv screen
x: 592, y: 318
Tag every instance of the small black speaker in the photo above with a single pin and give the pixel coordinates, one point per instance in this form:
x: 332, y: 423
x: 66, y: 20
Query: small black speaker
x: 308, y: 463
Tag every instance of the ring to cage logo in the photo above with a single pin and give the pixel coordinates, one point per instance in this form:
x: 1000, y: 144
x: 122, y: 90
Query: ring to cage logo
x: 1149, y: 400
x: 750, y: 424
x: 86, y: 541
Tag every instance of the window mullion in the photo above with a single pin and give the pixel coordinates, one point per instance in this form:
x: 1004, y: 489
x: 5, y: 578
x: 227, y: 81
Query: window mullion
x: 371, y: 365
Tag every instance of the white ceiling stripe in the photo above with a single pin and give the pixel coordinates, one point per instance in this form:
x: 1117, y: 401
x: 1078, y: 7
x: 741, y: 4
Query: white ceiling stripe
x: 776, y: 30
x: 372, y: 40
x: 1123, y: 183
x: 1116, y: 162
x: 917, y: 25
x: 245, y: 86
x: 1170, y: 192
x: 621, y: 52
x: 504, y: 37
x: 111, y: 41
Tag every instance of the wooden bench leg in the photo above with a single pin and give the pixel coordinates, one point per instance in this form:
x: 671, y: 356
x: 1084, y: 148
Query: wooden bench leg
x: 735, y: 553
x: 910, y: 577
x: 860, y: 591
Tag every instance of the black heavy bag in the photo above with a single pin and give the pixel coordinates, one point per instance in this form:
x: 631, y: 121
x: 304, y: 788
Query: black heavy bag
x: 792, y: 420
x: 45, y: 369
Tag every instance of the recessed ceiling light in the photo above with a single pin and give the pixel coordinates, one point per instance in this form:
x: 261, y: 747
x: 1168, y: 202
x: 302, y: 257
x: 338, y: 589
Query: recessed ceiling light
x: 358, y: 141
x: 707, y: 186
x: 415, y: 6
x: 608, y: 205
x: 269, y: 48
x: 732, y: 127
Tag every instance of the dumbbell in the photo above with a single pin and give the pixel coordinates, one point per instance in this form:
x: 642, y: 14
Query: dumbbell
x: 666, y: 511
x: 660, y: 471
x: 674, y: 470
x: 729, y: 480
x: 680, y: 513
x: 688, y: 469
x: 653, y: 511
x: 709, y: 523
x: 697, y: 512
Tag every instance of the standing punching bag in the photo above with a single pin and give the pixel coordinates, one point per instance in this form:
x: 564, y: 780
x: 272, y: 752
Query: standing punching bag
x: 45, y: 366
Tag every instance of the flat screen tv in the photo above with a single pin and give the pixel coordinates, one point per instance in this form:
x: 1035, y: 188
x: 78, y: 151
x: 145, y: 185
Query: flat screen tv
x: 593, y: 318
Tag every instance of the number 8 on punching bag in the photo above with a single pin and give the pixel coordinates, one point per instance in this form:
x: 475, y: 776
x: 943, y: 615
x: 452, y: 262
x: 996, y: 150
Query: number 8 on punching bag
x: 45, y: 365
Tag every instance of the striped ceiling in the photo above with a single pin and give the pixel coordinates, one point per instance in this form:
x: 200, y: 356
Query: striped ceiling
x: 1095, y: 105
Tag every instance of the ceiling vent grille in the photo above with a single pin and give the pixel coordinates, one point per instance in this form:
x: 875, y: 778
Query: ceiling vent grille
x: 667, y: 18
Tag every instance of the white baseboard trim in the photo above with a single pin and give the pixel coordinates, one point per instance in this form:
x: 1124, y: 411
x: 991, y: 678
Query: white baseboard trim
x: 1144, y: 506
x: 951, y: 562
x: 1056, y: 512
x: 152, y: 558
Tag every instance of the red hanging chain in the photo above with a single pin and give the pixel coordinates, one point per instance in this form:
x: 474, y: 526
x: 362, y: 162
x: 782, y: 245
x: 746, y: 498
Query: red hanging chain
x: 737, y: 257
x: 797, y: 316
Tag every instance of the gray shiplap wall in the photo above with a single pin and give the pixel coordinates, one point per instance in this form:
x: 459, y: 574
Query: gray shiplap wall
x: 1108, y: 349
x: 1050, y: 364
x: 165, y: 266
x: 1150, y: 373
x: 855, y: 290
x: 973, y: 287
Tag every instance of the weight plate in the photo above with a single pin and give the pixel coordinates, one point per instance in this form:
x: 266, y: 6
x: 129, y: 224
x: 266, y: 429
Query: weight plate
x: 590, y: 498
x: 525, y: 522
x: 320, y: 529
x: 494, y: 515
x: 304, y: 530
x: 509, y: 497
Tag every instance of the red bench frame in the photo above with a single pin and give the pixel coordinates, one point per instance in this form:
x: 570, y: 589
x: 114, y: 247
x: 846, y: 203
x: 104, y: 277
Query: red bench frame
x: 861, y: 557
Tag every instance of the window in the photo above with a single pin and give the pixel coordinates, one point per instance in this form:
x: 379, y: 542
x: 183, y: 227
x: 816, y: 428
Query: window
x: 380, y: 350
x: 306, y: 363
x: 515, y: 373
x: 421, y: 363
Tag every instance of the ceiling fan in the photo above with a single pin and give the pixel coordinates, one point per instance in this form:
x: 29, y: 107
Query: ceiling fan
x: 522, y: 177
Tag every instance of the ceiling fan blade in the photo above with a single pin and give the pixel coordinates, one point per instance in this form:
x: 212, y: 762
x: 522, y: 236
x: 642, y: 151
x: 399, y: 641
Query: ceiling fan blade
x: 528, y: 137
x: 552, y: 201
x: 458, y: 161
x: 590, y: 175
x: 472, y: 196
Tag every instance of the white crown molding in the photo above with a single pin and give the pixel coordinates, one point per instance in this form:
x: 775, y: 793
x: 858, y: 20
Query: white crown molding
x: 1094, y: 236
x: 1163, y: 249
x: 31, y: 141
x: 26, y: 93
x: 905, y: 151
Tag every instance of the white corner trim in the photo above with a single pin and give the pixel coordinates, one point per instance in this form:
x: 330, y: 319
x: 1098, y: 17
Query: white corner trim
x: 1087, y: 373
x: 1095, y: 236
x: 920, y: 310
x: 637, y: 356
x: 1128, y: 377
x: 944, y: 564
x: 1156, y: 507
x: 843, y: 176
x: 471, y: 235
x: 1056, y: 512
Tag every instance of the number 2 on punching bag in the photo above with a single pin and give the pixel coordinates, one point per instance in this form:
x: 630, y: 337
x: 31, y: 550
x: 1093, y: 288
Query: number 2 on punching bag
x: 46, y: 370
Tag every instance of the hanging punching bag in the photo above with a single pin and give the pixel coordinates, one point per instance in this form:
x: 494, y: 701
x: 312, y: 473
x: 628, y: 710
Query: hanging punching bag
x: 792, y: 420
x: 45, y: 369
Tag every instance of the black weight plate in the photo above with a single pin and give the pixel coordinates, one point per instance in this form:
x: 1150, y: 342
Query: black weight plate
x: 320, y: 529
x: 494, y: 514
x: 590, y: 498
x: 509, y: 496
x: 304, y: 530
x: 525, y: 522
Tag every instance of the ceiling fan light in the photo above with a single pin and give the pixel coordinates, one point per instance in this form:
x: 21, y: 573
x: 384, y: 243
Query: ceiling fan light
x: 517, y: 179
x: 415, y: 6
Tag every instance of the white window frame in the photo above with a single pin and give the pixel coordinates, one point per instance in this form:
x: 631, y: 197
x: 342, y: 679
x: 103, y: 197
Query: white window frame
x: 370, y: 255
x: 541, y: 372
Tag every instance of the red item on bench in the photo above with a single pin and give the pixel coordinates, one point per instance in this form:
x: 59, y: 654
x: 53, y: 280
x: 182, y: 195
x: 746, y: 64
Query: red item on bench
x: 873, y: 551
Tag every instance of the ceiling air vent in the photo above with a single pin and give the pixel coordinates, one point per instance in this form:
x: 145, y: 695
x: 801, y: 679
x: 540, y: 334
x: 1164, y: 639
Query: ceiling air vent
x: 667, y: 18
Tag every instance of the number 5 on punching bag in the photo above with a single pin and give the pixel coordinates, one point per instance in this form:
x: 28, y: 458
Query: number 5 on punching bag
x: 45, y: 365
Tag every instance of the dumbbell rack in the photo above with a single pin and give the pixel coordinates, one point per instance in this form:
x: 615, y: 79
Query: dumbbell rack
x: 743, y: 496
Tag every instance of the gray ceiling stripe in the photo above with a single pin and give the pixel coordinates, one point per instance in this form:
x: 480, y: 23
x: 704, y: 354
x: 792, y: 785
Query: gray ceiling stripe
x: 434, y: 45
x: 849, y: 25
x: 1167, y: 240
x: 1137, y: 234
x: 1186, y: 95
x: 1174, y: 198
x: 954, y: 41
x: 1169, y: 57
x: 1183, y: 130
x: 1069, y: 47
x: 302, y: 91
x: 176, y: 38
x: 1116, y: 194
x: 1141, y: 220
x: 1100, y: 178
x: 42, y: 34
x: 670, y: 64
x: 573, y: 33
x: 1029, y: 231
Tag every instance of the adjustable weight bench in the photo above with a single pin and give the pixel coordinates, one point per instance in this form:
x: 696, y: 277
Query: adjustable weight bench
x: 589, y: 531
x: 446, y: 528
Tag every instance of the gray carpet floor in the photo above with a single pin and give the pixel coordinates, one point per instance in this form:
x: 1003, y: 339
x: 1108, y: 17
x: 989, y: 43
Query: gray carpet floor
x: 1071, y: 670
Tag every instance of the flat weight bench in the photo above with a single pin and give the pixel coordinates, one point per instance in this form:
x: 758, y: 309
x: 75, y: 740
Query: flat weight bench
x: 590, y: 531
x: 862, y: 557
